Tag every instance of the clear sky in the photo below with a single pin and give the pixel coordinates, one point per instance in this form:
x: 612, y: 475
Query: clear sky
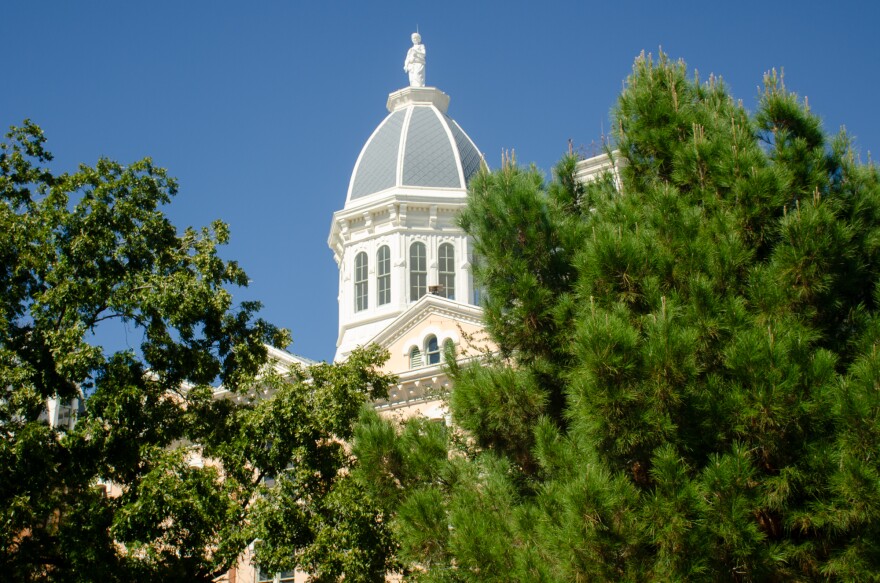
x: 261, y: 108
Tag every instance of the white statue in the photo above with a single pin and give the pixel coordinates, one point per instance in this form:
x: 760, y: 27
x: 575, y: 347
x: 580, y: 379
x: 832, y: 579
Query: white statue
x: 415, y: 62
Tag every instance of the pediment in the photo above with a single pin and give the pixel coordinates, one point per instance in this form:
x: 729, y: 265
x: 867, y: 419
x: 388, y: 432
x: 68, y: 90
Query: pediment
x: 429, y: 308
x: 447, y: 320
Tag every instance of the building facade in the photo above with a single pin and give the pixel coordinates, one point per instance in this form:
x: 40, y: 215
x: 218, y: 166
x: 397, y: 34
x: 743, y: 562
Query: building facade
x: 404, y: 263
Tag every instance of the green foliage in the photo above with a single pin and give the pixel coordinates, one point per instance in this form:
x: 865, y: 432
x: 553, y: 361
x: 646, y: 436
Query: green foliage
x: 687, y: 380
x: 78, y: 250
x: 317, y: 515
x: 94, y: 246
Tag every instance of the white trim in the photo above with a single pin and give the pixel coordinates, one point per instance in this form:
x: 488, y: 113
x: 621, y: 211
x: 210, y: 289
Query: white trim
x: 401, y: 148
x: 455, y: 152
x: 360, y: 157
x: 428, y: 304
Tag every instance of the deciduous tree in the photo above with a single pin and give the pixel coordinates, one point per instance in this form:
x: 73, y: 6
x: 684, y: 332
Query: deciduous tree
x: 81, y: 250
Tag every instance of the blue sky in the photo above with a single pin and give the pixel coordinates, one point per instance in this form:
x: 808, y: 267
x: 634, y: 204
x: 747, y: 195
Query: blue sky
x: 261, y: 108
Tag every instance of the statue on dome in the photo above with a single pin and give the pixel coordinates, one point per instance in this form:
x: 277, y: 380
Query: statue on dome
x: 415, y: 62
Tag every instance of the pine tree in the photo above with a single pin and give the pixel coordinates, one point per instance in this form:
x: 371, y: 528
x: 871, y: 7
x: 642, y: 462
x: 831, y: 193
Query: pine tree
x: 687, y: 379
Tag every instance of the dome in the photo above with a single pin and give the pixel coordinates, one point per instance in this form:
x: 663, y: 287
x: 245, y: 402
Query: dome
x: 416, y: 146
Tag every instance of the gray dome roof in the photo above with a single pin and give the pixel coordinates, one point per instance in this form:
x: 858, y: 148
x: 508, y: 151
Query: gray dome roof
x: 417, y: 145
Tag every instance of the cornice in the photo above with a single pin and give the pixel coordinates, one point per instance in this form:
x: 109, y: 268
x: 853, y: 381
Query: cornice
x: 429, y: 304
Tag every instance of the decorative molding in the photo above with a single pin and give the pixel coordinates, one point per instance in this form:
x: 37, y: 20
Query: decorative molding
x: 427, y: 305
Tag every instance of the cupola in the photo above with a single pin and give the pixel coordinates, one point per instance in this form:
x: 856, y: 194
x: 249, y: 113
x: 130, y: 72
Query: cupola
x: 397, y: 238
x: 416, y: 146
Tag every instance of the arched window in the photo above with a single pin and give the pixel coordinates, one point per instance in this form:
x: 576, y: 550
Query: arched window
x: 383, y: 276
x: 447, y: 271
x: 433, y: 350
x: 415, y: 358
x: 418, y: 271
x: 360, y: 282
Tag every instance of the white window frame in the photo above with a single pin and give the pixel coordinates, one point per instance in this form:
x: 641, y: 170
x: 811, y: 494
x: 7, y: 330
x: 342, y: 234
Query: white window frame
x: 383, y: 276
x: 432, y: 350
x: 446, y: 270
x: 418, y: 271
x: 361, y: 282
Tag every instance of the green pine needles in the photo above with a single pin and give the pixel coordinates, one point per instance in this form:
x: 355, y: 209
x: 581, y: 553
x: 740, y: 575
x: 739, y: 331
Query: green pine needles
x: 687, y: 379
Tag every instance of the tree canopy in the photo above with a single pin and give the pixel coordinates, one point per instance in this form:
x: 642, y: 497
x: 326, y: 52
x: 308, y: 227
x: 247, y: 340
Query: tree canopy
x: 686, y: 383
x: 185, y: 467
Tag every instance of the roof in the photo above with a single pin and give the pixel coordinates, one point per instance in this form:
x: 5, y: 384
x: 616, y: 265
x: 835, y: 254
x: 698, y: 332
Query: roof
x: 416, y: 145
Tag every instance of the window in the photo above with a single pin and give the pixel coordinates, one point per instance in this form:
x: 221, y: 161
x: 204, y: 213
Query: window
x: 282, y: 577
x: 360, y: 282
x: 383, y: 277
x: 418, y: 271
x: 433, y: 350
x: 447, y: 271
x: 415, y: 358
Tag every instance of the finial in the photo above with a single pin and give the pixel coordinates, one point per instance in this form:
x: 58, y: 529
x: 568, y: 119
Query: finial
x: 414, y: 64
